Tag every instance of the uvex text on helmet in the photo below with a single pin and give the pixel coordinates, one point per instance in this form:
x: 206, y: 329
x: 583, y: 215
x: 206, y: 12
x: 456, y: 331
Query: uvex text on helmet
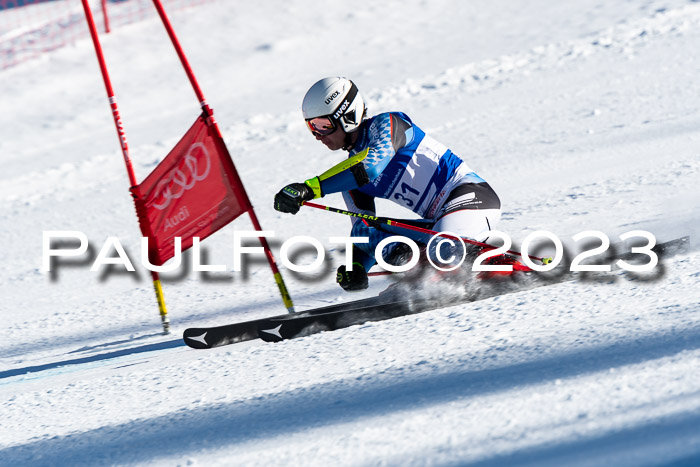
x: 337, y: 98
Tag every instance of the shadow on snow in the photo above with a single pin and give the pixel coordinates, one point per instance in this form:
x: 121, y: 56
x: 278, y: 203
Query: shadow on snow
x: 226, y: 425
x: 678, y: 436
x: 92, y: 358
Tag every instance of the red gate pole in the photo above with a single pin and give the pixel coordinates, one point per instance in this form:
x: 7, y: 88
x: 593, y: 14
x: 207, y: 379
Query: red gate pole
x: 125, y: 148
x: 241, y: 193
x: 105, y: 16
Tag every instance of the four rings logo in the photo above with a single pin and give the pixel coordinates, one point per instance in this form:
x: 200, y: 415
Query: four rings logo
x: 194, y: 167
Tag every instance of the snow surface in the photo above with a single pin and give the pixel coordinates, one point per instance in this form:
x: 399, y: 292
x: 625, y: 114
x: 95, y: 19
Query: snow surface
x: 584, y: 115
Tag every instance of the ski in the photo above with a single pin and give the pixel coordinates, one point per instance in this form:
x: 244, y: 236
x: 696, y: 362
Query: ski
x: 204, y: 338
x: 385, y: 306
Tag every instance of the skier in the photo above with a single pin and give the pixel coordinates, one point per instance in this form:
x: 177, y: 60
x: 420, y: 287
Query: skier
x: 388, y: 157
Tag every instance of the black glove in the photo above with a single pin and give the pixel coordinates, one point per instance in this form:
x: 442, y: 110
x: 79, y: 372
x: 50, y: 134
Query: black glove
x: 354, y: 280
x: 291, y: 197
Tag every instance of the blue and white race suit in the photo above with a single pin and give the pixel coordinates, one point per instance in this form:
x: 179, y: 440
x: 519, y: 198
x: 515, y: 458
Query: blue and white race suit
x: 403, y: 164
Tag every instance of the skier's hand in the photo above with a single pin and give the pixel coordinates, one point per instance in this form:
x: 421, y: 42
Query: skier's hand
x: 352, y: 281
x: 290, y: 198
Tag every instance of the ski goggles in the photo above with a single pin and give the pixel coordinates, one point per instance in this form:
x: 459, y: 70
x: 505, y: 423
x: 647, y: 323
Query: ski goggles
x: 321, y: 126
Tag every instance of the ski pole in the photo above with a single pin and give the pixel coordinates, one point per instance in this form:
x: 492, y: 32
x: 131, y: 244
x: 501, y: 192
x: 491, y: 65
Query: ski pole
x: 395, y: 223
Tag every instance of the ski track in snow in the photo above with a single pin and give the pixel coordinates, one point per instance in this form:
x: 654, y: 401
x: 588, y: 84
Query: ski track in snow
x: 473, y: 78
x: 592, y: 129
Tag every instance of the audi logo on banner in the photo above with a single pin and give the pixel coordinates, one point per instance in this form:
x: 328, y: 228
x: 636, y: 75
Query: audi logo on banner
x: 193, y: 168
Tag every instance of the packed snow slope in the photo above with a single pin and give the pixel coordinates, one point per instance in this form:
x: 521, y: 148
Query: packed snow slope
x: 583, y: 115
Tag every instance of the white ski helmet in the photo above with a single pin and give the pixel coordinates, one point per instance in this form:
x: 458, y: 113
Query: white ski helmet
x: 336, y: 98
